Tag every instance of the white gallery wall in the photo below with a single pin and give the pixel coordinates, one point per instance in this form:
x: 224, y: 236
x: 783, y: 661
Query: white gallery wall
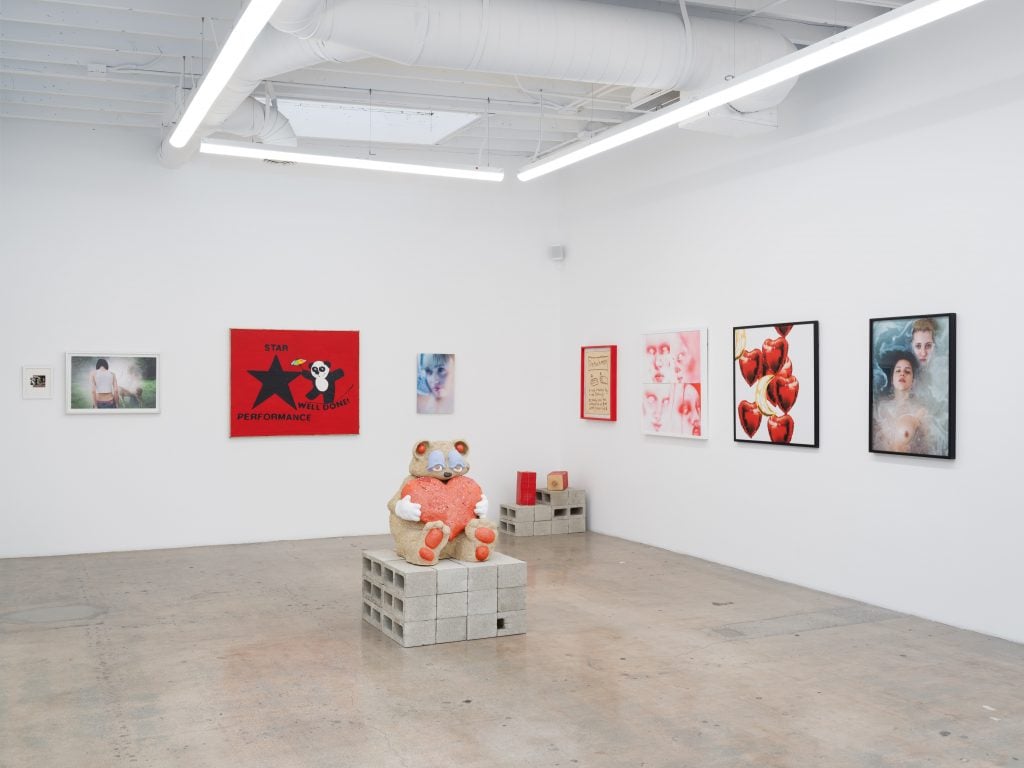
x: 893, y: 187
x: 104, y: 251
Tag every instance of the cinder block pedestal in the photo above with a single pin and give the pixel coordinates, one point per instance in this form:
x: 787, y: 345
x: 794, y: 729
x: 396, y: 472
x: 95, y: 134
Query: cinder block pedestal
x: 555, y: 512
x: 444, y: 603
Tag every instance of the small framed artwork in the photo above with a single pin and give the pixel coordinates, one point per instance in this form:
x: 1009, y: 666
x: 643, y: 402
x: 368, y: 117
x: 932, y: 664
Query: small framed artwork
x: 598, y: 382
x: 435, y: 382
x: 912, y: 395
x: 775, y: 384
x: 102, y: 383
x: 674, y: 383
x: 36, y: 382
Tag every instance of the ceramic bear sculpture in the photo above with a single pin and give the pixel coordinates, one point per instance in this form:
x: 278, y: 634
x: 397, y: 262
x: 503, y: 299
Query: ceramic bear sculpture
x: 438, y: 512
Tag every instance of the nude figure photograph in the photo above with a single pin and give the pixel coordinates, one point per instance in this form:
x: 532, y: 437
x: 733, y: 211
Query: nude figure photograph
x: 912, y: 391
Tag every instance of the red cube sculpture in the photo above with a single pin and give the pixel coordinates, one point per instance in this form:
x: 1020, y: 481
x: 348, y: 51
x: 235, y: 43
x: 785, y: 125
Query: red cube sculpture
x: 558, y: 481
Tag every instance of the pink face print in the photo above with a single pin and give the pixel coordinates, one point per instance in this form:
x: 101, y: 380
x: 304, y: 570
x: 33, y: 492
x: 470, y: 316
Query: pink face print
x: 686, y: 361
x: 656, y: 408
x: 689, y: 409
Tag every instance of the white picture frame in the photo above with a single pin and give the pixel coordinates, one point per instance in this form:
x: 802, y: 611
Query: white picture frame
x: 134, y: 379
x: 36, y: 382
x: 673, y: 388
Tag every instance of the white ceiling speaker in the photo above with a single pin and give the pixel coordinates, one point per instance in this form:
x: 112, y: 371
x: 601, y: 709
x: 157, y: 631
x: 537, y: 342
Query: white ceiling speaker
x: 556, y: 252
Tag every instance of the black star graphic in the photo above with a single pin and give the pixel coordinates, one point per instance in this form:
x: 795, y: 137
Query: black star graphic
x: 274, y: 381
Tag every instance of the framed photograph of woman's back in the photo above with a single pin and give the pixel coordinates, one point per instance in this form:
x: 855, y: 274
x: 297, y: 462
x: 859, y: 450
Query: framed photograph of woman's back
x: 912, y: 395
x: 100, y: 383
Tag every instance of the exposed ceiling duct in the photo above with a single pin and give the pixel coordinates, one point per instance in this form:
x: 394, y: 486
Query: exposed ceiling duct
x: 273, y: 54
x: 573, y: 40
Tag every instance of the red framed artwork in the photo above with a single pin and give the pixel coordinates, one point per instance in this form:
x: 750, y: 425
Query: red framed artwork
x: 598, y: 380
x: 294, y: 382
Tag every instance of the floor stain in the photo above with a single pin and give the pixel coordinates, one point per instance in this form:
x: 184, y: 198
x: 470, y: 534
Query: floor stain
x: 53, y: 614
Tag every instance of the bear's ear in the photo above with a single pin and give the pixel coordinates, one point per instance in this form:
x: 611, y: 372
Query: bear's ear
x: 421, y: 448
x: 462, y: 447
x: 327, y: 363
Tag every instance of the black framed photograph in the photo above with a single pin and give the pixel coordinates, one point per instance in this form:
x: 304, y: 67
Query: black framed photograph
x: 775, y: 384
x: 912, y: 401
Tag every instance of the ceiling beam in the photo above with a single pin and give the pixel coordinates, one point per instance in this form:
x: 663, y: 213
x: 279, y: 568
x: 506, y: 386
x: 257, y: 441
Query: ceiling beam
x: 828, y: 12
x: 75, y: 115
x: 87, y: 103
x: 78, y: 71
x: 87, y: 87
x: 224, y: 10
x: 106, y: 19
x: 43, y: 53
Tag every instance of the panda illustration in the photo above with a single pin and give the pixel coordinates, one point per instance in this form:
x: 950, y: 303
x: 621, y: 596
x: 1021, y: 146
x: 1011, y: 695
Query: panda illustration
x: 323, y: 379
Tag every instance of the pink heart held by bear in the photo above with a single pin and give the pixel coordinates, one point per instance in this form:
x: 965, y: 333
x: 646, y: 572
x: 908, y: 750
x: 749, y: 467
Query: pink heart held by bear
x: 452, y: 502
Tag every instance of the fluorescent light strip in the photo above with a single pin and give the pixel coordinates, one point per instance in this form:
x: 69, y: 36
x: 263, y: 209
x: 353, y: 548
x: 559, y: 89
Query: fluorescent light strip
x: 251, y: 23
x: 885, y: 27
x: 261, y: 152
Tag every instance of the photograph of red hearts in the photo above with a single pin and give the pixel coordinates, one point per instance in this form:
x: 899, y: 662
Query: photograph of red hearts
x: 775, y: 383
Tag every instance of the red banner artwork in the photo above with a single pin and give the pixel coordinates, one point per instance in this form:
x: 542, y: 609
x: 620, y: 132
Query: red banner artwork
x: 294, y: 382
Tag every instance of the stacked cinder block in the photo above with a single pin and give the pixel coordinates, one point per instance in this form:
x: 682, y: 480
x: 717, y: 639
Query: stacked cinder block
x: 446, y: 602
x: 555, y: 512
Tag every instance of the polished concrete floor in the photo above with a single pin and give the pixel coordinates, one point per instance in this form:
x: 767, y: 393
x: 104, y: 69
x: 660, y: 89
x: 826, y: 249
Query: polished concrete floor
x: 255, y: 655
